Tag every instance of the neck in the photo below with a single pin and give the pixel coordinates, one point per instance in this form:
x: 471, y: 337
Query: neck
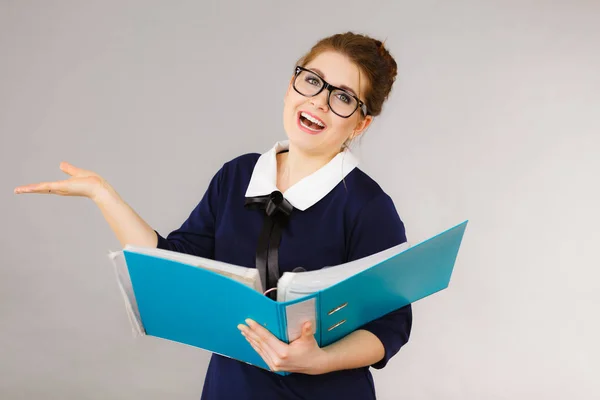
x: 295, y: 165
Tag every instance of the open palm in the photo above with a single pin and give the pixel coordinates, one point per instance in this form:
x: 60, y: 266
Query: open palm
x: 81, y: 183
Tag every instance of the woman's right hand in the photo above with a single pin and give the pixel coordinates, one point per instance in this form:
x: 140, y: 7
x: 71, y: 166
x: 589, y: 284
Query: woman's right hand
x: 127, y: 225
x: 81, y: 183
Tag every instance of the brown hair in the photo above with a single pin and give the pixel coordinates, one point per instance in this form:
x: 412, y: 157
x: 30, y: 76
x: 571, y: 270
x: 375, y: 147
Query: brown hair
x: 370, y: 55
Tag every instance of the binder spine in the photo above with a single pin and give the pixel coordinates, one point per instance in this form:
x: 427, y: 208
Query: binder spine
x: 282, y: 318
x: 318, y: 320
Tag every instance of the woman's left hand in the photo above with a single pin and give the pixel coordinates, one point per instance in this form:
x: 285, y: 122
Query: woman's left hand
x: 303, y: 355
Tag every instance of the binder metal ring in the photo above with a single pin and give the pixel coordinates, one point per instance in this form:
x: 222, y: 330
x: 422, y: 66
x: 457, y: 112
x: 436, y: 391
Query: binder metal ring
x: 336, y: 325
x: 338, y: 308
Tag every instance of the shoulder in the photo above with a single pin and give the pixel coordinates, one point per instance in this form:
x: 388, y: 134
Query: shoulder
x: 366, y: 199
x: 244, y: 161
x: 238, y: 167
x: 362, y: 189
x: 372, y: 221
x: 235, y: 172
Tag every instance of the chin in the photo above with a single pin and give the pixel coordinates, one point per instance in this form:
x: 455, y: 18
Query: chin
x: 300, y: 138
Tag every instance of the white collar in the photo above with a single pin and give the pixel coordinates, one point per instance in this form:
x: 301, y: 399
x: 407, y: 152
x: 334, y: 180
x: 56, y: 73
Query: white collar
x: 307, y: 191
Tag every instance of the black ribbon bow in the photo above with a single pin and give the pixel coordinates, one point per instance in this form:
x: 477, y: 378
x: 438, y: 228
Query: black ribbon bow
x: 277, y: 212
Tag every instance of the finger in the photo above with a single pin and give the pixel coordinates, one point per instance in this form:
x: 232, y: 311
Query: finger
x: 43, y: 187
x: 273, y: 347
x: 72, y: 170
x: 250, y: 334
x: 276, y: 349
x: 261, y: 352
x: 260, y: 341
x: 274, y: 358
x: 264, y: 346
x: 307, y: 331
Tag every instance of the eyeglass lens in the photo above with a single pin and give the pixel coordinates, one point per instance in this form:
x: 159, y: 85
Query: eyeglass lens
x: 309, y: 84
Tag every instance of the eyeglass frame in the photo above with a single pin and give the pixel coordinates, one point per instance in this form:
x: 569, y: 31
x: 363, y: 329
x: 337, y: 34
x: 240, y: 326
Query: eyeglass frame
x: 330, y: 88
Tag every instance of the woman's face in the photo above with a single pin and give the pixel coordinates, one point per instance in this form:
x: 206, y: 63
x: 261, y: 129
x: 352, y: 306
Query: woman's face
x: 327, y: 136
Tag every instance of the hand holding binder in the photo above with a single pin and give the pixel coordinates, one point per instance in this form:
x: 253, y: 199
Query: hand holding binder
x: 303, y: 355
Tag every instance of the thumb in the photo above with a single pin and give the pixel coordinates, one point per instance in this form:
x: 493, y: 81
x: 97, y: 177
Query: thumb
x: 72, y: 170
x: 307, y: 329
x: 68, y: 168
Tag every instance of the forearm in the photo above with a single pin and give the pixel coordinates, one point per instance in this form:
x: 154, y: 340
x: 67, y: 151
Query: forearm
x: 361, y: 348
x: 126, y: 224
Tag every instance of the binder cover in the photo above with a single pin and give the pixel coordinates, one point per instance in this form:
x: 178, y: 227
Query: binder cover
x: 176, y: 300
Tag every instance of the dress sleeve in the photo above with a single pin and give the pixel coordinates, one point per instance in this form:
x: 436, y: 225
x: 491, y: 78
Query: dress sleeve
x: 377, y: 228
x: 197, y: 233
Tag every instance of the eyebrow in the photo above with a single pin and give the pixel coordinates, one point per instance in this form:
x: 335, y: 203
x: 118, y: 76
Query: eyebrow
x: 322, y: 75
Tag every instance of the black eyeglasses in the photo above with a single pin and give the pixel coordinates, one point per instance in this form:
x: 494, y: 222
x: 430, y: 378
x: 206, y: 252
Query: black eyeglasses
x: 340, y: 101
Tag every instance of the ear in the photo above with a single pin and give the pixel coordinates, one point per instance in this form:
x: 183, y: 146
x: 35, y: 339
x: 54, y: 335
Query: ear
x: 362, y: 126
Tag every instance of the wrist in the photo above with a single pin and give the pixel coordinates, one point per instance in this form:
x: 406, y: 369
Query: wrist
x: 103, y: 194
x: 326, y: 362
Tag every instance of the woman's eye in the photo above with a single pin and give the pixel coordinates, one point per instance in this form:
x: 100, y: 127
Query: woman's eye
x: 313, y: 81
x: 345, y: 98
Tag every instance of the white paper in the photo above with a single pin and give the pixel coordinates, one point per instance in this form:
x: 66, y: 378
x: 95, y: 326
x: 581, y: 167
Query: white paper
x: 124, y: 282
x: 244, y: 275
x: 294, y: 285
x: 299, y: 313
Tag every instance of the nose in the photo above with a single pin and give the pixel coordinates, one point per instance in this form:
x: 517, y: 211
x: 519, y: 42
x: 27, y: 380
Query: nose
x: 320, y: 101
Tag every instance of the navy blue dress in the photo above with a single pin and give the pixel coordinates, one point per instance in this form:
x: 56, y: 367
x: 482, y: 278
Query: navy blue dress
x: 340, y: 214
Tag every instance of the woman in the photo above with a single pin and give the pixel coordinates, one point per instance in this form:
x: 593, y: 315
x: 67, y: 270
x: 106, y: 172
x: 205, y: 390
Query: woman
x: 330, y: 213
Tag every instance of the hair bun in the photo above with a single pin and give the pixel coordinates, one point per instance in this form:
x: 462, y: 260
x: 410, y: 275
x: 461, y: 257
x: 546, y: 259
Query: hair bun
x: 389, y: 60
x: 381, y: 48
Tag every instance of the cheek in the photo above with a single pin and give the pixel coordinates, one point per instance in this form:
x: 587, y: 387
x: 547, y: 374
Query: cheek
x: 342, y: 127
x: 289, y: 112
x: 293, y: 100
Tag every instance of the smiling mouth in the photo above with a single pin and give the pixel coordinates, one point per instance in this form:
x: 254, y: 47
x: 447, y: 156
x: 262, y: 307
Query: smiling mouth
x: 311, y: 123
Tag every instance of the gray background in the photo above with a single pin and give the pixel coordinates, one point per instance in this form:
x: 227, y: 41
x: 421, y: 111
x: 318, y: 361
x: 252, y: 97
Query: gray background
x: 494, y: 118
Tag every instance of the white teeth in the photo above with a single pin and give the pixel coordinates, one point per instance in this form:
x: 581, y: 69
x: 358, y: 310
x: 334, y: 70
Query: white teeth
x: 312, y: 119
x: 309, y: 128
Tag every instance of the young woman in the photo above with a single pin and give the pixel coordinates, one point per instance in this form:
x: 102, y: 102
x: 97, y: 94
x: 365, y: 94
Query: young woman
x: 304, y: 203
